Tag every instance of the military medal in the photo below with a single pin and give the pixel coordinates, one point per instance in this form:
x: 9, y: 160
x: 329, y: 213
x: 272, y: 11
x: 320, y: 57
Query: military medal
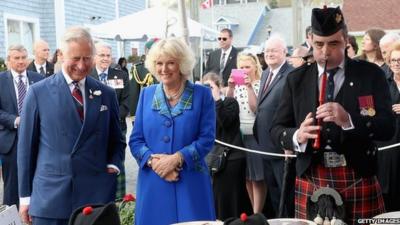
x: 367, y: 107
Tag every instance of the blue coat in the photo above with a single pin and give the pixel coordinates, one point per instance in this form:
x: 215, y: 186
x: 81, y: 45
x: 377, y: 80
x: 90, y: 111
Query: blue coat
x: 188, y: 128
x: 62, y: 164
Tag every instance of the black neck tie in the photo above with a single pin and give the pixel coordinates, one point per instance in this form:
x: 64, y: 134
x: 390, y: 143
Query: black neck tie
x: 330, y: 89
x: 42, y: 71
x: 222, y: 63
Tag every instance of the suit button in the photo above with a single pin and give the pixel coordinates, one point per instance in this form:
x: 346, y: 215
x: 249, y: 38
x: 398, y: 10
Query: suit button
x: 369, y: 124
x: 371, y: 135
x: 368, y: 152
x: 166, y: 139
x: 167, y: 123
x: 329, y: 141
x: 284, y: 133
x: 328, y: 129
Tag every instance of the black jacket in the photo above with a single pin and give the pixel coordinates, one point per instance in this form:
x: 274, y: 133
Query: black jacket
x: 300, y: 97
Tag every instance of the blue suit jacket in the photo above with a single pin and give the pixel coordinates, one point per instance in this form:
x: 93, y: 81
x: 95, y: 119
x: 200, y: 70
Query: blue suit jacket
x: 9, y: 108
x: 267, y: 103
x: 62, y: 164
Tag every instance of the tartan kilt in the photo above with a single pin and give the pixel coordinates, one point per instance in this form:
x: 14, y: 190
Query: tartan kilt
x: 121, y: 185
x: 362, y: 197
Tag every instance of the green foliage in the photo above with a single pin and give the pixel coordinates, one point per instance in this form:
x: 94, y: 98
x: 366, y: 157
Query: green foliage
x: 3, y: 66
x: 127, y: 212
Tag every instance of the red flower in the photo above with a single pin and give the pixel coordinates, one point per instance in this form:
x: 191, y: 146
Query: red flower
x: 87, y: 210
x: 243, y: 217
x: 129, y: 198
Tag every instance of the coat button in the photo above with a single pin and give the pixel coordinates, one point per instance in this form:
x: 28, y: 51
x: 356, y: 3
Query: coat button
x: 369, y: 124
x: 329, y: 141
x: 167, y: 123
x: 284, y: 133
x: 371, y: 135
x: 166, y: 139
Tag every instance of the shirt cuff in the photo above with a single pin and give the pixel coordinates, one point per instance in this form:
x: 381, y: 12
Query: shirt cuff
x: 351, y: 124
x: 112, y: 166
x: 24, y: 200
x: 298, y: 147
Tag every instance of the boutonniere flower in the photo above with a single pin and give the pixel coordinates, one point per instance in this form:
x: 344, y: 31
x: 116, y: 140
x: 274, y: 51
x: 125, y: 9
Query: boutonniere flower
x: 95, y: 93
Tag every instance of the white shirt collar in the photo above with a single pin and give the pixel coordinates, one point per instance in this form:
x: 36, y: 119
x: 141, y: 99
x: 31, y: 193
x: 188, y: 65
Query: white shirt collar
x: 276, y: 71
x: 38, y: 65
x: 69, y: 80
x: 99, y: 71
x: 227, y: 52
x: 15, y: 74
x: 321, y: 68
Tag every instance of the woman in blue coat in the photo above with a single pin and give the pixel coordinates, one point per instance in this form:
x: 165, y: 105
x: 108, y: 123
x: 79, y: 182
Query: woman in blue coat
x: 174, y: 129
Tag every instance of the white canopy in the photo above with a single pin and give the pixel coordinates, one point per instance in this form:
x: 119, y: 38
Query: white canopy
x: 152, y: 22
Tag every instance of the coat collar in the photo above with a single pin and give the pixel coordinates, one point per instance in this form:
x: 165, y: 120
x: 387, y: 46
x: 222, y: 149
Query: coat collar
x: 159, y: 101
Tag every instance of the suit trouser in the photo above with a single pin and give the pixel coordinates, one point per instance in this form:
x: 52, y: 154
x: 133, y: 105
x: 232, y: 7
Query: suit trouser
x: 10, y: 176
x: 273, y: 172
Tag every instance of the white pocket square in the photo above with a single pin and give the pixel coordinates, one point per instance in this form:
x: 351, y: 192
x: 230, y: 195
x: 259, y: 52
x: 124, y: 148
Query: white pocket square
x: 103, y: 108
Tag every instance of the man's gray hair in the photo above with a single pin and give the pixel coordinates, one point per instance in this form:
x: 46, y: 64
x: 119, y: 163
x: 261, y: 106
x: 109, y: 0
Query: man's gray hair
x: 75, y: 34
x: 103, y: 44
x: 389, y: 38
x: 18, y: 47
x: 276, y: 38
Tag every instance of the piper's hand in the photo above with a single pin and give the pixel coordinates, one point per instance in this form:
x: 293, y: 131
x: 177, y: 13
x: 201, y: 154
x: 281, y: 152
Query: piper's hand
x: 23, y: 212
x: 396, y: 108
x: 333, y: 112
x: 307, y: 130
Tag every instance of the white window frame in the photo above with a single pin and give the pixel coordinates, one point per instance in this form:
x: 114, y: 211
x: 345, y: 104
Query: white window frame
x: 20, y: 19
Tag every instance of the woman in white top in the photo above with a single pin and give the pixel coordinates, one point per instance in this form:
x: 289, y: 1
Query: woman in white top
x: 246, y: 94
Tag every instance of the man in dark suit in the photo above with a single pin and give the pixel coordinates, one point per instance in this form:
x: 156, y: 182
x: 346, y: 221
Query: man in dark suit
x: 41, y: 64
x: 13, y: 86
x: 223, y: 60
x: 70, y: 146
x: 118, y: 80
x: 357, y: 111
x: 112, y: 77
x: 269, y: 96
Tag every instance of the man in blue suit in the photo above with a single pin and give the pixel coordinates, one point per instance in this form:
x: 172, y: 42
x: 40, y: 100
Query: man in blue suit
x: 13, y: 86
x: 271, y: 86
x: 70, y: 147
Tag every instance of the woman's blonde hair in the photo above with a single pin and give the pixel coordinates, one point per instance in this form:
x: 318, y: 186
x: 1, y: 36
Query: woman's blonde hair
x: 254, y: 59
x: 175, y: 48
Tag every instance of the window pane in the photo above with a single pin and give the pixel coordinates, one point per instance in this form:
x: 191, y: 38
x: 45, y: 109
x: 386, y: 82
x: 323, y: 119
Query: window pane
x: 14, y: 33
x: 27, y: 34
x: 251, y: 0
x: 232, y: 1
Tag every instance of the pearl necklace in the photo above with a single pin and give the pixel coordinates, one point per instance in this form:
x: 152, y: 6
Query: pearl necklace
x: 175, y: 96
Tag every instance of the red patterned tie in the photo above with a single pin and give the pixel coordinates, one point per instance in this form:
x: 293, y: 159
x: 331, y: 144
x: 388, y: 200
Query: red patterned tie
x: 78, y: 99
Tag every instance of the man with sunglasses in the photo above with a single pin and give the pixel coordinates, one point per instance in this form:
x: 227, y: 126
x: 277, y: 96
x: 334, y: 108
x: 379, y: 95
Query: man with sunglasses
x: 223, y: 60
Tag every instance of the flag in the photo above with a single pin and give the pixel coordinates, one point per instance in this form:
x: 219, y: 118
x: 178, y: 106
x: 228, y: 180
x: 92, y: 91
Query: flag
x: 207, y: 4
